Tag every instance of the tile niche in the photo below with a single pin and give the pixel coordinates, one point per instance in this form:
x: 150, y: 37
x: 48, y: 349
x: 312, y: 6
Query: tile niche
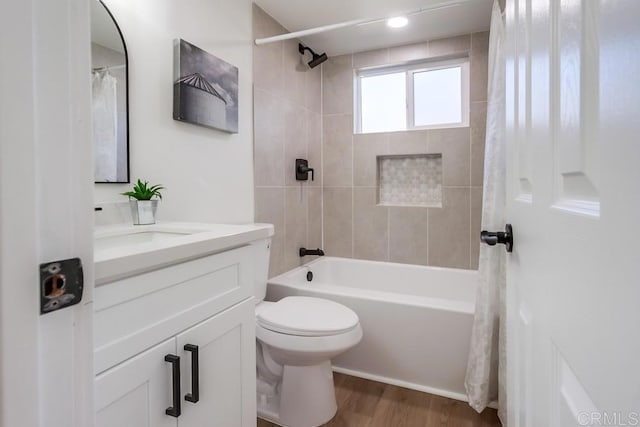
x: 410, y: 180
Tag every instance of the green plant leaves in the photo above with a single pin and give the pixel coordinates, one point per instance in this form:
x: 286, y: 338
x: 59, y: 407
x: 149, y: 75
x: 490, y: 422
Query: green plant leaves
x: 142, y: 191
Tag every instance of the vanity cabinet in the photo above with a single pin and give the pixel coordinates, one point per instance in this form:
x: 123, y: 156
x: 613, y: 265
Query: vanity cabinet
x: 227, y: 367
x: 136, y: 392
x: 196, y: 317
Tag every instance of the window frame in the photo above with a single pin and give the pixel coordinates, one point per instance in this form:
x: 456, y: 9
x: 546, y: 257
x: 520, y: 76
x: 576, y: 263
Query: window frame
x: 409, y: 70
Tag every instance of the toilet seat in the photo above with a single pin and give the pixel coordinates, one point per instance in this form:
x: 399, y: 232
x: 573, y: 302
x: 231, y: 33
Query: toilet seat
x: 307, y: 317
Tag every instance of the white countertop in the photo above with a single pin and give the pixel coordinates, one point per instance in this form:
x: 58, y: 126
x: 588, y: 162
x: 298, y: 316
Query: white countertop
x: 126, y: 250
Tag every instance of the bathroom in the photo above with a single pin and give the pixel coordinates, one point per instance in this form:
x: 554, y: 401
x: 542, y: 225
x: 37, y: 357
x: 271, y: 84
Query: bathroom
x: 397, y: 213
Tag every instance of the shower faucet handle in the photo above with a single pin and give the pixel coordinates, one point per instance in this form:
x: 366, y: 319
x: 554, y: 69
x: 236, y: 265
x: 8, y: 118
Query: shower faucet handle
x: 303, y: 169
x: 304, y: 252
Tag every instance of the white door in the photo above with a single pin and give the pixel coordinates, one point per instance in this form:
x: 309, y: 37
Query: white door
x: 573, y: 191
x: 226, y: 363
x: 137, y: 392
x: 46, y: 211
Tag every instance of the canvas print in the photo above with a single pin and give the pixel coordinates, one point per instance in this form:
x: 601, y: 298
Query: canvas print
x: 205, y: 89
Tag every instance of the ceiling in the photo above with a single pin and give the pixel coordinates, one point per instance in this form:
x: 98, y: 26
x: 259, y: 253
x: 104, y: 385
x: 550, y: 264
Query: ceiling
x: 472, y: 16
x: 103, y: 29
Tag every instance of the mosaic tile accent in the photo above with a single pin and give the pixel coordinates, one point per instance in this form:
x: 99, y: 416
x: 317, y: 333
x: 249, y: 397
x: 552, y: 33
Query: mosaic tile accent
x: 414, y: 180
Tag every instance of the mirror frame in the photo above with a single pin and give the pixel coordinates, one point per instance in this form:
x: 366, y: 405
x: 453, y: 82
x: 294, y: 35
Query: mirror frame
x: 126, y: 64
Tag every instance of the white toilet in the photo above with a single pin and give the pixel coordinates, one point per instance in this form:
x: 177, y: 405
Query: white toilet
x: 296, y: 339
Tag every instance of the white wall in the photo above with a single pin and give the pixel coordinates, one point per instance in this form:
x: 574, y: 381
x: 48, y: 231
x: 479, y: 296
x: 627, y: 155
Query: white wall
x: 46, y: 174
x: 208, y: 173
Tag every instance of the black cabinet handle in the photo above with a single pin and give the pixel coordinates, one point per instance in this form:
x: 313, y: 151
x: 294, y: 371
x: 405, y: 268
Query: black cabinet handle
x: 174, y: 410
x: 194, y: 396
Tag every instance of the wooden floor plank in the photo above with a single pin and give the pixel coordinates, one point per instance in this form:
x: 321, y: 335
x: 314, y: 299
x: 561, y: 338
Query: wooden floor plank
x: 364, y: 403
x: 363, y: 397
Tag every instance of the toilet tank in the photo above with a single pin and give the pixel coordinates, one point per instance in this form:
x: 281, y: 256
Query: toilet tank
x: 261, y: 251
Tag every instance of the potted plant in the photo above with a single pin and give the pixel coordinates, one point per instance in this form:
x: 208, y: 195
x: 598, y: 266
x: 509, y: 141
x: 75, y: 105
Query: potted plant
x: 143, y: 204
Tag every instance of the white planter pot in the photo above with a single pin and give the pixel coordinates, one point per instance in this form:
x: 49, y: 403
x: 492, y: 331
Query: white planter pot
x: 143, y: 212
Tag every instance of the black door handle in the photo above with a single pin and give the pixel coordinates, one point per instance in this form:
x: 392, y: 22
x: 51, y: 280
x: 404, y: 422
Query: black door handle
x: 194, y: 396
x: 504, y: 237
x: 174, y: 410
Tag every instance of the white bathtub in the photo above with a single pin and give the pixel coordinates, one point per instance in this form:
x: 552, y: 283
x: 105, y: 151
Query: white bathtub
x: 416, y: 320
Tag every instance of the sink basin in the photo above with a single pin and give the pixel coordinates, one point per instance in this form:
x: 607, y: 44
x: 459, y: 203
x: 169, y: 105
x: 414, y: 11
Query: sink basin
x: 124, y: 250
x: 133, y: 238
x: 124, y: 237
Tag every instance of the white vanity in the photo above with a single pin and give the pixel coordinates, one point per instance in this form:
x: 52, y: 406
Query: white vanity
x: 174, y: 324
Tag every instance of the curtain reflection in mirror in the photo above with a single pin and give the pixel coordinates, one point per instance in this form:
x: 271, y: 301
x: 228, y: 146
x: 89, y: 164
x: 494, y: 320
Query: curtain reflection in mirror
x: 105, y: 125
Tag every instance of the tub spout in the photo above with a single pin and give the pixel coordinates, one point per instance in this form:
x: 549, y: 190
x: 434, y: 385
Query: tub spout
x: 305, y: 252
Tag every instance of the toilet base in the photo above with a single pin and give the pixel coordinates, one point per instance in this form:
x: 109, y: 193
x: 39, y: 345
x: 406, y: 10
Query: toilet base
x: 307, y: 397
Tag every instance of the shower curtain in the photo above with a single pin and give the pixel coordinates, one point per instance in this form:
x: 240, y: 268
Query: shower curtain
x: 485, y: 378
x: 105, y: 126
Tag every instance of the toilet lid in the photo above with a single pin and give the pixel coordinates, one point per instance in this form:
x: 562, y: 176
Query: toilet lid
x: 307, y: 316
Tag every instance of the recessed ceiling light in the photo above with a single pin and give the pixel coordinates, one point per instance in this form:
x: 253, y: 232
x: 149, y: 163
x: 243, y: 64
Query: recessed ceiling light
x: 397, y: 22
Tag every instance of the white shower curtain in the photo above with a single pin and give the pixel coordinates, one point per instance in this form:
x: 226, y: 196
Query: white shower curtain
x: 485, y: 379
x: 105, y: 126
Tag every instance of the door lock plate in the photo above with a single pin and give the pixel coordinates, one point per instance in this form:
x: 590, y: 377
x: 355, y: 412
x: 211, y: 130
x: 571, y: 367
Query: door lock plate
x: 61, y: 284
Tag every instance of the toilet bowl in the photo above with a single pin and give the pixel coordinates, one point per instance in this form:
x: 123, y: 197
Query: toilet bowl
x: 296, y: 339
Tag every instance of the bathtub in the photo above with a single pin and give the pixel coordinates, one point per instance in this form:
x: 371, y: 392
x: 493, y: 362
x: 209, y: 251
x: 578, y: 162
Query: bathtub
x: 416, y: 320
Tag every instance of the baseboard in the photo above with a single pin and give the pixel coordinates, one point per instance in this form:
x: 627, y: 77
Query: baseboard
x: 412, y: 386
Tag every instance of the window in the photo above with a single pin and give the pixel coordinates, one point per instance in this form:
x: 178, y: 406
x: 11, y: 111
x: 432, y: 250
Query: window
x: 419, y: 96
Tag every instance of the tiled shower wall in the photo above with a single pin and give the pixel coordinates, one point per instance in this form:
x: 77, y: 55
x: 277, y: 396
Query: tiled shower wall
x: 355, y: 225
x: 287, y: 125
x: 306, y: 113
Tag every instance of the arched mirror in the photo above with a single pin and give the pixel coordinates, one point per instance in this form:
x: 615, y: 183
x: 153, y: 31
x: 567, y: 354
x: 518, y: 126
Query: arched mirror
x: 110, y: 97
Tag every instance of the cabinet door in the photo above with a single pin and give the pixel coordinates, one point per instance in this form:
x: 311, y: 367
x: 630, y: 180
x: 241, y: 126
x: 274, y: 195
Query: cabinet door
x: 137, y: 392
x: 227, y: 367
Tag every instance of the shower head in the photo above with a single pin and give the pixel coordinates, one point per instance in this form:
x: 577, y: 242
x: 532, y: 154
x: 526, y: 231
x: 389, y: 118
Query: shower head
x: 316, y: 59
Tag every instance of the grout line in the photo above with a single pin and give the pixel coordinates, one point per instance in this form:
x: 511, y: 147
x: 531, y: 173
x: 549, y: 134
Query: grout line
x: 470, y: 226
x: 284, y: 174
x: 353, y: 206
x: 279, y: 186
x: 353, y: 203
x: 427, y: 138
x: 322, y: 156
x: 283, y: 99
x: 470, y: 181
x: 343, y: 114
x: 427, y: 236
x: 388, y: 233
x: 307, y: 188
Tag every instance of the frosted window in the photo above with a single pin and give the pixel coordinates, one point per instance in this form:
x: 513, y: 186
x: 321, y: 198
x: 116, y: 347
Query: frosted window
x: 437, y: 96
x: 383, y: 102
x: 433, y: 94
